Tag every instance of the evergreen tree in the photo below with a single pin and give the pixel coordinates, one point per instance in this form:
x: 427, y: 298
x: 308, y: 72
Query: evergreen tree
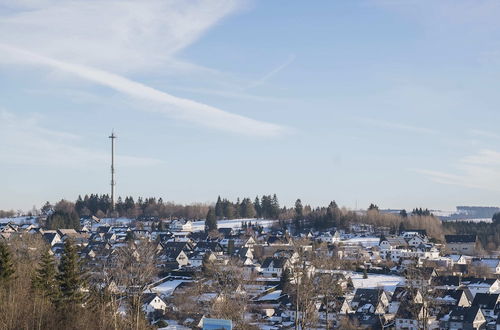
x: 229, y: 210
x: 6, y: 265
x: 70, y: 277
x: 211, y: 220
x: 257, y: 207
x: 219, y: 210
x: 403, y: 214
x: 275, y: 207
x: 496, y: 218
x: 44, y: 280
x: 373, y: 207
x: 402, y: 227
x: 299, y: 209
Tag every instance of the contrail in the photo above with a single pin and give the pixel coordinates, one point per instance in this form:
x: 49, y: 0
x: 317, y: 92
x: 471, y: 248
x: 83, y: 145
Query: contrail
x: 182, y: 108
x: 271, y: 73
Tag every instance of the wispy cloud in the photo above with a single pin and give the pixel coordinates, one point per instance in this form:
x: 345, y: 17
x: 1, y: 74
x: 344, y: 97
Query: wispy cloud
x: 272, y: 73
x: 486, y: 134
x: 480, y: 170
x: 177, y: 107
x: 23, y: 140
x: 396, y: 126
x: 121, y: 36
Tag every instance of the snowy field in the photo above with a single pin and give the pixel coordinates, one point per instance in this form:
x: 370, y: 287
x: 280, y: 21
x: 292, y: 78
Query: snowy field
x: 18, y: 220
x: 487, y: 220
x: 364, y: 241
x: 235, y: 224
x: 389, y: 282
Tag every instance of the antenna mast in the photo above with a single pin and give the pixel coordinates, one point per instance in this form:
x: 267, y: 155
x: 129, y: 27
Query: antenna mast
x: 112, y: 137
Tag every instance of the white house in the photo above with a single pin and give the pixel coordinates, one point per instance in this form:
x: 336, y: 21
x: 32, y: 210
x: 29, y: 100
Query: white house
x: 151, y: 303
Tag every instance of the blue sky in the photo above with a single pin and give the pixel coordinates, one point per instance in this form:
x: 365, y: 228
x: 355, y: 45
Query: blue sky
x: 387, y: 101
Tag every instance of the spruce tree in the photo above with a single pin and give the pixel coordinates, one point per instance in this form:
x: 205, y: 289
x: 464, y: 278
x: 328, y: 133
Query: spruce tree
x: 299, y: 209
x: 70, y: 277
x: 257, y: 207
x: 44, y: 280
x: 6, y: 265
x: 219, y: 211
x: 211, y: 220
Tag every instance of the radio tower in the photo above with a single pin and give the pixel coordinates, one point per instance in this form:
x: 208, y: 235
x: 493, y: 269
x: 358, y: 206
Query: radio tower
x: 112, y: 137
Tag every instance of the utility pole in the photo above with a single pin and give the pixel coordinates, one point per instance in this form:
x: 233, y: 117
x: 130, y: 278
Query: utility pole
x: 112, y: 137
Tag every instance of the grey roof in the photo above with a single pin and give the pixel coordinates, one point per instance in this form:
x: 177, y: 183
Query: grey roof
x: 460, y: 238
x: 486, y: 300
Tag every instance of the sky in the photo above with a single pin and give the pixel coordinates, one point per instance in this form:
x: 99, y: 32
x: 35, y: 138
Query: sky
x: 392, y: 102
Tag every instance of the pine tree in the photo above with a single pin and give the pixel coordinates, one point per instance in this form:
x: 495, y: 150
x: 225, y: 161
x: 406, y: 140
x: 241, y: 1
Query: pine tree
x: 70, y: 277
x: 6, y: 265
x: 257, y: 207
x: 299, y: 209
x: 211, y: 220
x: 44, y: 280
x: 275, y: 207
x: 219, y: 210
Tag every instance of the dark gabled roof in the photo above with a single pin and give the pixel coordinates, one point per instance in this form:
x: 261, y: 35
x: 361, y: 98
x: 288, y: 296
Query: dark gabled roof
x: 446, y: 280
x: 177, y: 245
x: 460, y: 238
x: 449, y: 297
x: 277, y: 240
x: 276, y: 261
x: 368, y: 296
x: 211, y: 246
x: 464, y: 314
x: 478, y: 280
x: 369, y: 321
x: 404, y: 294
x: 48, y: 237
x: 409, y: 311
x: 486, y: 300
x: 242, y: 252
x: 225, y: 231
x: 198, y: 235
x: 425, y: 273
x: 148, y: 297
x: 171, y: 254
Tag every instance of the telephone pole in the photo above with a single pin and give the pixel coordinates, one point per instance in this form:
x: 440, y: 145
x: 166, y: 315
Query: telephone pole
x: 112, y: 137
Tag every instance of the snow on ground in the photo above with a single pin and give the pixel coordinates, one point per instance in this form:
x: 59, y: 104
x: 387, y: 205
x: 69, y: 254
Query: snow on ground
x: 487, y: 220
x: 167, y: 288
x: 389, y: 282
x: 364, y: 241
x: 235, y: 224
x: 174, y: 325
x: 19, y: 220
x: 114, y: 221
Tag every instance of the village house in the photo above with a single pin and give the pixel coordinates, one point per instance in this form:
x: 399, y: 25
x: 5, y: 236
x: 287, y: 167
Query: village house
x: 372, y: 301
x: 463, y: 318
x: 461, y: 244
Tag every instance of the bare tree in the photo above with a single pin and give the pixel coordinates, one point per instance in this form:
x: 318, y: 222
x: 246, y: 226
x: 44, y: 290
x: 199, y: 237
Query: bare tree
x: 134, y: 270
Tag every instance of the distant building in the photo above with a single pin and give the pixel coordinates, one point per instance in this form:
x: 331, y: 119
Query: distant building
x: 461, y: 244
